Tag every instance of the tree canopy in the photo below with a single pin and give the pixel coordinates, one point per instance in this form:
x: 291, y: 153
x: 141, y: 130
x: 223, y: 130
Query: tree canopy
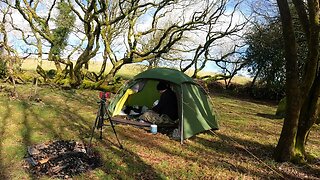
x: 265, y: 56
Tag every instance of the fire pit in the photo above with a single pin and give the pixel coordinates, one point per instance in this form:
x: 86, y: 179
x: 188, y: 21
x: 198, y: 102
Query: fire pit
x: 60, y: 159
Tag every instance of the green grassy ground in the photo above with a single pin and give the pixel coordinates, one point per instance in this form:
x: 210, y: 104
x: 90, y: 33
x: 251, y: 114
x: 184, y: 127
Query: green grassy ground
x: 241, y: 149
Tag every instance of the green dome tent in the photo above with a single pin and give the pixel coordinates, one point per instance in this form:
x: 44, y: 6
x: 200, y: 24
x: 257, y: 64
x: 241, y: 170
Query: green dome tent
x: 194, y: 107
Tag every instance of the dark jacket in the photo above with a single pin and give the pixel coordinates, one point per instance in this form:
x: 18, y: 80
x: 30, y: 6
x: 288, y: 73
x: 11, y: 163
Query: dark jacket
x: 167, y: 104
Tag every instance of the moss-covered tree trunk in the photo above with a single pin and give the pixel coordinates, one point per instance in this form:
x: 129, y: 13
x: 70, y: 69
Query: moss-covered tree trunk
x: 310, y: 85
x: 308, y: 116
x: 302, y: 95
x: 286, y: 144
x: 76, y: 74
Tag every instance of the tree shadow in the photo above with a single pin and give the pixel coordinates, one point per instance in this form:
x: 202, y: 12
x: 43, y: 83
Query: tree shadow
x: 73, y: 124
x: 27, y: 130
x: 131, y: 165
x: 258, y: 152
x: 43, y: 125
x: 269, y: 116
x: 3, y: 130
x: 247, y: 99
x: 215, y: 153
x: 306, y: 171
x: 19, y: 128
x: 239, y: 149
x: 218, y: 153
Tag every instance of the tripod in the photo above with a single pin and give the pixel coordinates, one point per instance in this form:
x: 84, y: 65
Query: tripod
x: 99, y: 122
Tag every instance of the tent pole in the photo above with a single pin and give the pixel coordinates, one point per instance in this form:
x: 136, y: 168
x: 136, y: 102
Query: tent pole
x: 181, y: 121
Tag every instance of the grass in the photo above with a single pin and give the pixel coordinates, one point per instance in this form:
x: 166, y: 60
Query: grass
x: 245, y: 126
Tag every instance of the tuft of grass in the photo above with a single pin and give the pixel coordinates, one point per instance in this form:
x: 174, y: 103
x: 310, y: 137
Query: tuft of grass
x: 245, y: 125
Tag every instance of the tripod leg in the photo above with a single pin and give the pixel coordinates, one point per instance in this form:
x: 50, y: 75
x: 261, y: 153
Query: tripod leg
x: 98, y: 122
x: 115, y: 133
x: 101, y: 130
x: 92, y: 132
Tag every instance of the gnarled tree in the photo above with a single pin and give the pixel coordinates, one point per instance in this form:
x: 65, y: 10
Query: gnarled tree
x: 218, y: 27
x: 136, y: 31
x: 302, y: 94
x: 132, y: 31
x: 42, y: 25
x: 9, y: 58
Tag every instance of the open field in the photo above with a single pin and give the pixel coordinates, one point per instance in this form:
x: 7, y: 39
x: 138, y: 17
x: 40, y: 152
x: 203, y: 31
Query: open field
x: 241, y: 149
x: 127, y: 71
x: 31, y: 65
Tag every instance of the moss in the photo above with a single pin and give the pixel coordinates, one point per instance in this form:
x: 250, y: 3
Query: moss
x: 3, y: 68
x: 27, y: 76
x: 86, y: 84
x: 298, y: 158
x: 65, y: 83
x: 104, y: 87
x: 281, y: 110
x: 108, y: 88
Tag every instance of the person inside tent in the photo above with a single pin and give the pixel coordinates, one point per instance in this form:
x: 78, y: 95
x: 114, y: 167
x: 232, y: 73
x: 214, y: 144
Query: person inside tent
x: 166, y: 111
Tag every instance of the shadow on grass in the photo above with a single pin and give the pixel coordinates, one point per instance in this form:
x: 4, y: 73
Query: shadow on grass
x: 68, y: 122
x: 26, y: 130
x: 3, y: 130
x: 41, y: 125
x: 124, y: 163
x: 243, y: 161
x: 269, y: 116
x: 308, y: 171
x: 260, y: 152
x: 313, y: 169
x: 250, y: 100
x: 220, y: 154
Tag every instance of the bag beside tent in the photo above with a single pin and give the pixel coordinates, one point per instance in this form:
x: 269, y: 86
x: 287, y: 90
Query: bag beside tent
x: 194, y: 107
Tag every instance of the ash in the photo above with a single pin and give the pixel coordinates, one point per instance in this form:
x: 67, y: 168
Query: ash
x: 60, y: 159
